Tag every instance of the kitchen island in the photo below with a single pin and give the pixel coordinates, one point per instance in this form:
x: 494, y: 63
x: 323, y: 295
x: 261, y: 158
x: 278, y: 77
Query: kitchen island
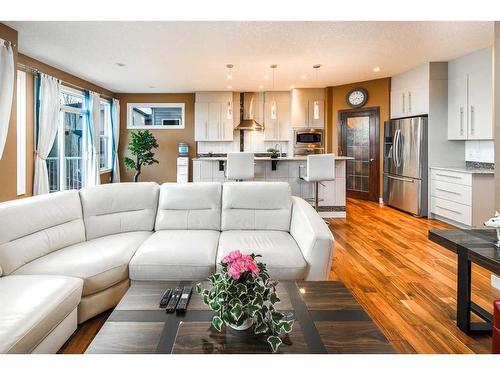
x: 332, y: 194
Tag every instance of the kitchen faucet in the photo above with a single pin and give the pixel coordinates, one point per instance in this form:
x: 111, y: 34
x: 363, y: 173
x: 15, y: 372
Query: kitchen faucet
x: 277, y: 146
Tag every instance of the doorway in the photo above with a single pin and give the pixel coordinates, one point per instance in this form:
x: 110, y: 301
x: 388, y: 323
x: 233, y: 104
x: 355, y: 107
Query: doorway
x: 359, y: 132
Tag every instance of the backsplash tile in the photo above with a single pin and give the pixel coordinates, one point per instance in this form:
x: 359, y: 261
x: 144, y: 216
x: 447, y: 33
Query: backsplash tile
x: 480, y: 151
x: 254, y: 142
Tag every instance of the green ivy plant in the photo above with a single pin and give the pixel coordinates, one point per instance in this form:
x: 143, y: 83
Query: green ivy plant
x: 141, y: 146
x: 250, y: 296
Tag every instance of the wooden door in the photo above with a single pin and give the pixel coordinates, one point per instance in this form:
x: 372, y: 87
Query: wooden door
x: 359, y: 138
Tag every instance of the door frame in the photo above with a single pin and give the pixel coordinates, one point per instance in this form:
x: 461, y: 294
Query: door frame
x: 374, y: 176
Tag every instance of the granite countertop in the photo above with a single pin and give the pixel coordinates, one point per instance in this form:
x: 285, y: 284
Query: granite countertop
x: 268, y: 158
x: 464, y: 169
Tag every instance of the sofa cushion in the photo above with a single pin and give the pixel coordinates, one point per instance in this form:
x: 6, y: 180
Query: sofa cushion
x: 101, y: 263
x: 279, y: 251
x: 189, y: 206
x: 176, y: 255
x: 32, y: 306
x: 33, y: 227
x: 118, y: 208
x: 256, y: 205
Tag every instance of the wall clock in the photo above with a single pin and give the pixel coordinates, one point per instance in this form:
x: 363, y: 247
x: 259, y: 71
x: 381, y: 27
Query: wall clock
x: 357, y: 97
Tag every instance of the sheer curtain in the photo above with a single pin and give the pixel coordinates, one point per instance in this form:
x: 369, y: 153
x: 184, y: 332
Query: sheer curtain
x: 6, y: 89
x: 115, y: 125
x: 48, y: 119
x: 92, y: 139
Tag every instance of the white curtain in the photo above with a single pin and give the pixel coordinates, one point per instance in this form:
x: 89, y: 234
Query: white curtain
x: 115, y: 122
x: 92, y: 141
x: 47, y: 129
x: 6, y: 89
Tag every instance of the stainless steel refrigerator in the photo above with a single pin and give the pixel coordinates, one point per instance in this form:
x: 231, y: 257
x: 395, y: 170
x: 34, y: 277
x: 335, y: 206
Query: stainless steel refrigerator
x: 405, y: 164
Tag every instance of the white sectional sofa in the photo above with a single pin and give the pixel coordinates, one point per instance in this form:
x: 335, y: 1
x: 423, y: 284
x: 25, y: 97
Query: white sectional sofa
x: 66, y: 257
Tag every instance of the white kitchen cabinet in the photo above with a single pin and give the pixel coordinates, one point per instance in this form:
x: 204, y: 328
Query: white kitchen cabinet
x: 410, y: 93
x: 277, y: 129
x: 470, y: 96
x: 457, y: 108
x: 462, y: 197
x: 308, y: 108
x: 211, y: 117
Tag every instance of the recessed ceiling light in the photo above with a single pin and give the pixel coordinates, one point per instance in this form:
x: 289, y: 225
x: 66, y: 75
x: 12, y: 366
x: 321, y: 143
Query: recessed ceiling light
x: 376, y: 69
x: 266, y: 77
x: 261, y: 87
x: 229, y: 86
x: 229, y: 76
x: 120, y: 64
x: 292, y: 87
x: 303, y: 76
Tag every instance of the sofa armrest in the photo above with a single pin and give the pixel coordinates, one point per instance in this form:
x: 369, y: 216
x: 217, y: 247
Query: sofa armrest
x: 314, y: 239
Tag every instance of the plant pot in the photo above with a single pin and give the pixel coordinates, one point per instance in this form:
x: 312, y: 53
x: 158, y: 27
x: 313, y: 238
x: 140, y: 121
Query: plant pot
x: 246, y: 324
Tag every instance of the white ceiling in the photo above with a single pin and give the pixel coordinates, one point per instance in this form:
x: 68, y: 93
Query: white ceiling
x: 191, y: 56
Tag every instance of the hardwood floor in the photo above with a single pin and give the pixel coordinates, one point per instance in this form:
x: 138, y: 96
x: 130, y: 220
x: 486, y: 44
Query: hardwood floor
x: 404, y: 282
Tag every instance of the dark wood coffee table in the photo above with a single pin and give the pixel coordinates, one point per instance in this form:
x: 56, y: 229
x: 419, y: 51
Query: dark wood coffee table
x: 327, y: 320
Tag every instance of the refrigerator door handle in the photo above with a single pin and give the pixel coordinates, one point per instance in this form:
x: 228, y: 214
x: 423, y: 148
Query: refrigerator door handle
x: 401, y: 178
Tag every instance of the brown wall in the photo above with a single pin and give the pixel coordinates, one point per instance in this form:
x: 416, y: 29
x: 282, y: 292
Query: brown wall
x: 378, y: 96
x: 496, y: 113
x: 166, y: 154
x: 8, y: 163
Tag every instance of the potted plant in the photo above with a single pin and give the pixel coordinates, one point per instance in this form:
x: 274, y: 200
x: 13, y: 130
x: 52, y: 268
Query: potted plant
x: 242, y: 295
x: 141, y: 146
x: 274, y: 152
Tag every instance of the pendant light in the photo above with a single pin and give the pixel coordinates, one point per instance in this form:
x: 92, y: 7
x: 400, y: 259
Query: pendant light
x: 229, y: 109
x: 316, y: 102
x: 273, y: 103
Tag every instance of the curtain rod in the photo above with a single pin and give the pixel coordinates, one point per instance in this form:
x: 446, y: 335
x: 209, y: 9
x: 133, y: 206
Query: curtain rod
x: 34, y: 71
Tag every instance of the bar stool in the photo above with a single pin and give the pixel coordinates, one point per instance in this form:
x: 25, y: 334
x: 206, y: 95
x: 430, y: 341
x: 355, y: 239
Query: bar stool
x: 319, y: 168
x: 240, y: 166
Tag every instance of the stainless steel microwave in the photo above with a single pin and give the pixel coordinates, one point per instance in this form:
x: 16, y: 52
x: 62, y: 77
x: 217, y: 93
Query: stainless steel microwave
x: 308, y: 141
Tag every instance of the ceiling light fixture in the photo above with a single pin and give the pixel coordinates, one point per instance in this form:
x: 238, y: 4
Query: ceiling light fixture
x: 266, y: 77
x: 376, y: 69
x: 229, y: 87
x: 273, y: 103
x: 261, y: 87
x: 120, y: 64
x: 316, y: 102
x: 303, y: 76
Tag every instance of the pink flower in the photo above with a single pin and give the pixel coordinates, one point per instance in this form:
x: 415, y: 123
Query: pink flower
x: 239, y: 263
x: 232, y: 256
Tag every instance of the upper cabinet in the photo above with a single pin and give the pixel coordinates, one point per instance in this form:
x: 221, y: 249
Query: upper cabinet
x: 277, y: 118
x: 213, y: 117
x: 470, y: 96
x: 410, y: 93
x: 308, y: 108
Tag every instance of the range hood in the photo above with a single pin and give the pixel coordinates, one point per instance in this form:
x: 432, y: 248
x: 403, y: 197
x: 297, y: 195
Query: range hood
x: 249, y: 101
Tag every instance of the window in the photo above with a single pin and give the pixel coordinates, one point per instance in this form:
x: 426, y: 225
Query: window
x: 21, y: 132
x: 66, y: 160
x: 105, y: 138
x: 155, y: 115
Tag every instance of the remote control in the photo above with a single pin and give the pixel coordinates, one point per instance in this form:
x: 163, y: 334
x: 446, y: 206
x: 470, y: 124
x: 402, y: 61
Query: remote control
x: 165, y: 298
x: 184, y: 300
x: 172, y: 304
